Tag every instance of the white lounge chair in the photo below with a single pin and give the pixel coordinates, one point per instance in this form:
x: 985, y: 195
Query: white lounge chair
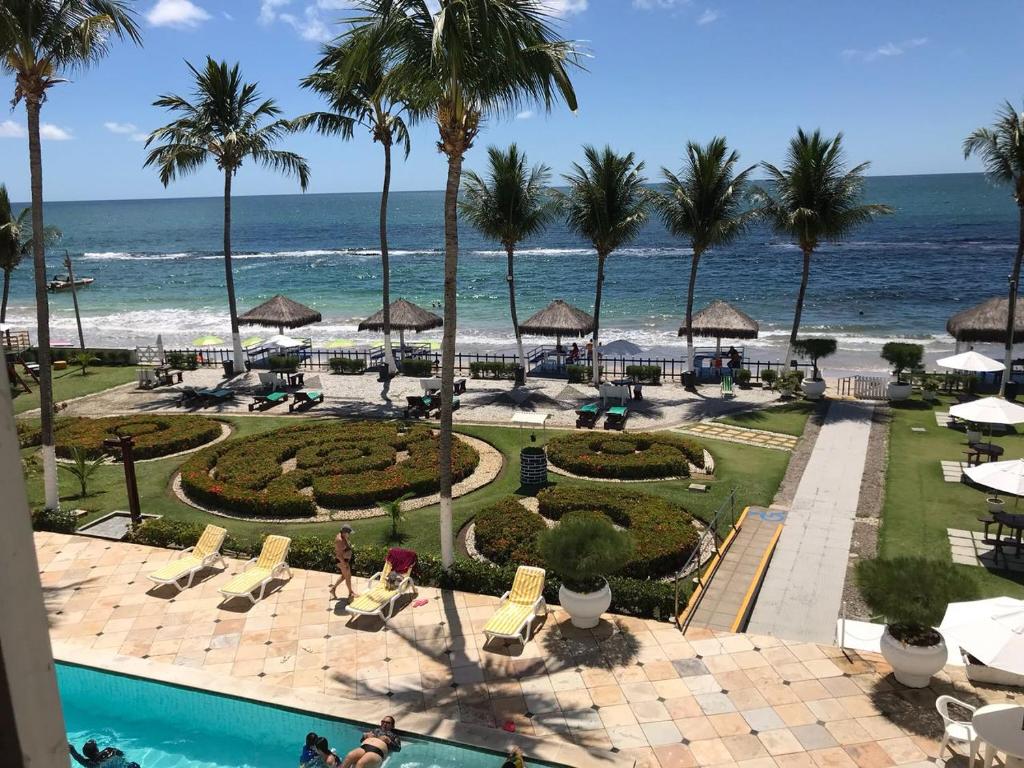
x: 260, y: 571
x: 382, y: 593
x: 519, y: 606
x: 204, y: 554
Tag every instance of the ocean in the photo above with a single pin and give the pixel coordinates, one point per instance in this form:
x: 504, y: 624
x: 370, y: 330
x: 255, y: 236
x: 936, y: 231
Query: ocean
x: 158, y: 269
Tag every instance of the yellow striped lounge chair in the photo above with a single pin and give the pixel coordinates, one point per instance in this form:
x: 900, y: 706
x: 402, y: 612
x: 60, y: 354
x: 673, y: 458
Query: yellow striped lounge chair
x: 204, y: 554
x: 260, y: 571
x: 384, y: 588
x: 519, y: 606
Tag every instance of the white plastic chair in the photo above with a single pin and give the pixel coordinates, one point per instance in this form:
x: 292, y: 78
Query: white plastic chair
x: 957, y: 731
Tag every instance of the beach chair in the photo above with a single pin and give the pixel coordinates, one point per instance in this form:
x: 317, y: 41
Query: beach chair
x: 616, y: 418
x: 269, y: 381
x: 308, y: 396
x: 418, y: 406
x: 268, y: 400
x: 189, y: 396
x: 211, y: 395
x: 727, y: 386
x: 260, y: 571
x: 204, y: 554
x: 384, y: 588
x: 586, y: 416
x: 519, y: 606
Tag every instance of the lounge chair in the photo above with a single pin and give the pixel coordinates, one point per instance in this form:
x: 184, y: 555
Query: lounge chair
x: 418, y: 406
x: 433, y: 385
x: 204, y: 554
x: 616, y: 418
x: 260, y: 571
x: 586, y: 416
x: 727, y: 386
x: 212, y: 395
x: 308, y: 396
x: 189, y: 396
x: 268, y: 400
x: 384, y: 588
x: 519, y: 606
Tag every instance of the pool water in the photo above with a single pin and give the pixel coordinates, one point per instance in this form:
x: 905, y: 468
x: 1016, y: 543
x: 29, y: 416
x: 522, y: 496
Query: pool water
x: 164, y: 726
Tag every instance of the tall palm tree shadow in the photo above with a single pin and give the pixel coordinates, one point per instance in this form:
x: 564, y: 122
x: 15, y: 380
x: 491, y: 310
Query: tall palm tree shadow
x: 52, y: 597
x: 607, y: 645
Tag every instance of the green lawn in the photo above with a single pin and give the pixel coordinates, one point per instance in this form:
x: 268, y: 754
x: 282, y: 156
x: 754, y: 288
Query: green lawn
x: 755, y: 472
x: 789, y: 418
x: 71, y: 383
x: 919, y: 506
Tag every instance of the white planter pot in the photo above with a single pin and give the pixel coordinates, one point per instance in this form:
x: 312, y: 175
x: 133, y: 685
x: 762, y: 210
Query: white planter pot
x: 813, y: 390
x: 995, y: 505
x: 897, y: 391
x: 913, y: 665
x: 973, y: 435
x: 585, y: 608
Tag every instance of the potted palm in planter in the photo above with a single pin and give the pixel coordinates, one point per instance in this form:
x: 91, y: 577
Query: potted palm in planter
x: 770, y: 377
x: 902, y: 357
x: 911, y: 594
x: 582, y: 550
x: 815, y: 349
x: 930, y: 390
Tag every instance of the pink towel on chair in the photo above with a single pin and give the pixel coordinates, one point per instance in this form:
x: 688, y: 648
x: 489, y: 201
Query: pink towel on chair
x: 402, y: 560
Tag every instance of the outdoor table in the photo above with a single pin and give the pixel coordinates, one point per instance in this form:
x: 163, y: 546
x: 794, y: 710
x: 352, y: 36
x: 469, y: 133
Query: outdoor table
x: 1000, y: 728
x: 293, y: 378
x: 991, y: 450
x: 1015, y: 522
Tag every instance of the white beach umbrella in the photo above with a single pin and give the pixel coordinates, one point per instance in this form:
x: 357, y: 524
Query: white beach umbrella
x: 620, y: 347
x: 989, y: 410
x: 284, y: 342
x: 992, y: 631
x: 971, y: 361
x: 1004, y: 476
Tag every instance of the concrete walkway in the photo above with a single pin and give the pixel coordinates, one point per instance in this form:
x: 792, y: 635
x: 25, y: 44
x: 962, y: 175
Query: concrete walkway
x: 802, y: 592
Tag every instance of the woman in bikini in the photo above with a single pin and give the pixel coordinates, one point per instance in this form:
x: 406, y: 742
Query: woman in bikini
x: 375, y: 747
x: 344, y: 554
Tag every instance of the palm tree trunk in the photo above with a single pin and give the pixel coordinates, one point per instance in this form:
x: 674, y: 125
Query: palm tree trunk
x: 595, y: 358
x: 7, y: 290
x: 510, y: 250
x: 1011, y: 313
x: 451, y: 265
x: 229, y: 277
x: 48, y: 450
x: 799, y: 304
x: 689, y: 309
x: 385, y: 264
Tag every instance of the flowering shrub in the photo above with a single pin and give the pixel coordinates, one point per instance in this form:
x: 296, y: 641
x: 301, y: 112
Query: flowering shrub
x: 625, y: 456
x: 154, y: 436
x: 339, y: 465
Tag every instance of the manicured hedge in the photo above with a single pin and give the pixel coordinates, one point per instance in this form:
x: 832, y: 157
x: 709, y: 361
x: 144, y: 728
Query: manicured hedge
x: 581, y: 374
x: 506, y: 533
x: 646, y: 374
x: 417, y: 366
x: 493, y: 370
x: 105, y: 356
x: 653, y: 455
x: 155, y: 436
x: 187, y: 361
x: 346, y: 365
x: 346, y: 464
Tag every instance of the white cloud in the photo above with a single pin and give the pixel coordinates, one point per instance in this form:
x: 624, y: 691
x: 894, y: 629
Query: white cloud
x: 54, y: 132
x: 114, y: 127
x: 140, y: 136
x: 565, y: 7
x: 649, y: 5
x: 269, y: 10
x: 176, y: 13
x: 708, y: 17
x: 310, y: 26
x: 526, y: 114
x: 11, y: 130
x: 885, y: 51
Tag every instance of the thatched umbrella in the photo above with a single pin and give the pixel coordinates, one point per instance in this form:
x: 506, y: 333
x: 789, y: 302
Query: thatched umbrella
x: 986, y: 322
x: 558, y: 319
x: 721, y: 319
x: 405, y: 316
x: 280, y: 312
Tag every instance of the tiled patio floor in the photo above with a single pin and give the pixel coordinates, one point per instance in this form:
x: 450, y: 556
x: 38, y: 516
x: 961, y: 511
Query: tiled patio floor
x: 632, y: 686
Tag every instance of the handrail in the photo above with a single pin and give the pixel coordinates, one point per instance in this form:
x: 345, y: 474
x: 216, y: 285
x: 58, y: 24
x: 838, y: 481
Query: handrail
x: 726, y: 512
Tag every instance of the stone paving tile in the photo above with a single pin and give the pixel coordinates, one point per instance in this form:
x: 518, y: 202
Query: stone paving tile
x: 706, y: 698
x: 734, y: 434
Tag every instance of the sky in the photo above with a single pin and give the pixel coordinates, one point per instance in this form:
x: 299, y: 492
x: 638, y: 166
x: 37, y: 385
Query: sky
x: 904, y: 82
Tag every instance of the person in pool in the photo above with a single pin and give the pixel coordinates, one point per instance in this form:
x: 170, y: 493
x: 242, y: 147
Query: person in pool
x: 375, y: 747
x: 324, y: 754
x: 514, y: 758
x: 92, y: 757
x: 309, y: 750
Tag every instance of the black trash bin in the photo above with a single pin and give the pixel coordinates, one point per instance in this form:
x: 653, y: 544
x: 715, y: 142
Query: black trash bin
x: 1011, y: 390
x: 690, y: 380
x: 520, y: 375
x: 229, y: 369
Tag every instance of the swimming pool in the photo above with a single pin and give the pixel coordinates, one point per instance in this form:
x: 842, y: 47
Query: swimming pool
x: 165, y: 726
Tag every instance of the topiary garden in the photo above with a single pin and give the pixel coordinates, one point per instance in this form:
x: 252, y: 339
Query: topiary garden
x: 625, y: 456
x: 289, y: 472
x: 663, y: 532
x: 154, y: 436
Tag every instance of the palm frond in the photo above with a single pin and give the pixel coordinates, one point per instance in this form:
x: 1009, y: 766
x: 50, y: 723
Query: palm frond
x: 1000, y: 147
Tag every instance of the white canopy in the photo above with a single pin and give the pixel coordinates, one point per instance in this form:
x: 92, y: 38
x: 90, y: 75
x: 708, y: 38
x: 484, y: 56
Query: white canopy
x: 1003, y: 476
x: 992, y: 631
x: 971, y: 361
x: 989, y: 410
x: 287, y: 342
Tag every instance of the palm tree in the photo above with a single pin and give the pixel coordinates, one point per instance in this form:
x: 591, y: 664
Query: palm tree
x: 40, y: 42
x: 463, y: 62
x: 814, y: 198
x: 704, y: 203
x: 513, y: 204
x: 16, y: 242
x: 227, y: 121
x: 1001, y: 149
x: 363, y: 98
x: 606, y: 204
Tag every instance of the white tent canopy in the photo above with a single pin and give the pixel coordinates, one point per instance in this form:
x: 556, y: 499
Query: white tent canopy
x: 1003, y: 476
x: 992, y: 631
x: 971, y: 361
x: 989, y: 410
x: 287, y: 342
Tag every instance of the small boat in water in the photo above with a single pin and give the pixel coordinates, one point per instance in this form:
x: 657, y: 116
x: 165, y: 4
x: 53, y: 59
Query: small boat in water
x: 63, y: 283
